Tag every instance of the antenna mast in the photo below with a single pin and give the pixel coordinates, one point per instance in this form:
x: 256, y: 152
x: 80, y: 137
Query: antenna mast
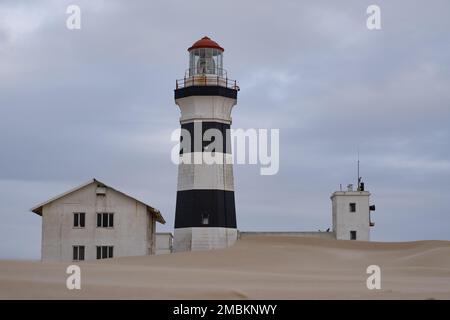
x: 359, y: 178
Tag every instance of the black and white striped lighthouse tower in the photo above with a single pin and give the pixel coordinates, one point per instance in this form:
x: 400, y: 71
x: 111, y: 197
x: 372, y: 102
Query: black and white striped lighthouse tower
x: 205, y: 215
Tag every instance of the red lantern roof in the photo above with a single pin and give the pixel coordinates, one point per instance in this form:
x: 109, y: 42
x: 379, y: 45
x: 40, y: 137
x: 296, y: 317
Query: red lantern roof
x: 206, y: 42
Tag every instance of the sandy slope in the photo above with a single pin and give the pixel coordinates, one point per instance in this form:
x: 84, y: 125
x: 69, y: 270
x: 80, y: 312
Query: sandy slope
x: 255, y: 268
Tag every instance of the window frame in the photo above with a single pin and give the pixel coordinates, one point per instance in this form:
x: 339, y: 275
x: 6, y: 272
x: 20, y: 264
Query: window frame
x: 353, y: 233
x: 76, y: 249
x: 352, y: 207
x: 205, y: 219
x: 79, y: 217
x: 109, y: 220
x: 110, y: 252
x: 104, y: 252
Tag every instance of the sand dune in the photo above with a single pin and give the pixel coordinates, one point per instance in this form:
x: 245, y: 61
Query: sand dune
x: 255, y: 268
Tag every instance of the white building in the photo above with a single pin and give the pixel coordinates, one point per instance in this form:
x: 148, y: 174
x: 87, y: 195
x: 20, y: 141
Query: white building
x: 164, y: 242
x: 351, y: 214
x: 95, y: 221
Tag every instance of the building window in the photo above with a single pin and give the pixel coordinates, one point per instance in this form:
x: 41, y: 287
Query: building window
x: 352, y: 207
x: 352, y: 235
x: 105, y: 220
x: 78, y: 253
x: 79, y: 220
x: 205, y: 219
x: 105, y: 252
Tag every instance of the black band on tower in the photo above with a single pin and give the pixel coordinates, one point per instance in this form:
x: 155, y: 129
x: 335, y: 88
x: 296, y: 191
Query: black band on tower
x: 205, y: 91
x: 224, y: 129
x: 205, y: 208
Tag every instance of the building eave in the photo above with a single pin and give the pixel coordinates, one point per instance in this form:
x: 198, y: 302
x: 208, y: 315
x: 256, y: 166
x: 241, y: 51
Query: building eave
x: 38, y: 209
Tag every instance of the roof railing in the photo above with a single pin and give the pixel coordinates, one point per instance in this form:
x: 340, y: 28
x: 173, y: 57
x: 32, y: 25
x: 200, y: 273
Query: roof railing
x: 206, y: 79
x: 206, y: 70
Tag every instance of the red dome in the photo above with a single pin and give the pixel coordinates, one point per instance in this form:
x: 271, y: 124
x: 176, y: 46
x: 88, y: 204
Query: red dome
x: 206, y: 42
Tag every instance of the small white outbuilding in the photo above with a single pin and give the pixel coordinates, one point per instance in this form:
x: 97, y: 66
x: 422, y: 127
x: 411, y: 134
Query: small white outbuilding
x: 164, y: 242
x: 351, y: 214
x: 96, y: 221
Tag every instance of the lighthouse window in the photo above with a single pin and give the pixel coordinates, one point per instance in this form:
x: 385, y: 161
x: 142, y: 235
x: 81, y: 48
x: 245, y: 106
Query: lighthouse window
x: 219, y: 63
x: 352, y: 235
x: 352, y: 207
x: 205, y: 219
x: 201, y: 63
x: 191, y: 63
x: 206, y: 63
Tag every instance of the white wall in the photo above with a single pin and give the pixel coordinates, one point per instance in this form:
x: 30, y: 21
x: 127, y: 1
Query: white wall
x: 345, y: 221
x: 204, y: 108
x: 132, y: 234
x: 164, y: 243
x: 206, y: 176
x: 203, y: 238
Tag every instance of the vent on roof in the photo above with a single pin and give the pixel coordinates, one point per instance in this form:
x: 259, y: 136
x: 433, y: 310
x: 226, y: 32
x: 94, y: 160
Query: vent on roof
x: 101, y: 191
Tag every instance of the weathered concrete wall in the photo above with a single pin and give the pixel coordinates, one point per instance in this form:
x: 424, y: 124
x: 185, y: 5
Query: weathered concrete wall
x: 164, y: 243
x: 132, y: 234
x: 214, y: 181
x: 206, y: 176
x: 206, y: 108
x: 204, y: 238
x: 314, y: 234
x: 345, y: 221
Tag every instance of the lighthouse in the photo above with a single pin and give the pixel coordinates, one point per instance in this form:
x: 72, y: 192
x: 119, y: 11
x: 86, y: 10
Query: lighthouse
x: 205, y: 216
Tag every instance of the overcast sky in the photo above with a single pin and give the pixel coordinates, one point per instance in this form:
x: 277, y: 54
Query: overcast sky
x: 98, y: 102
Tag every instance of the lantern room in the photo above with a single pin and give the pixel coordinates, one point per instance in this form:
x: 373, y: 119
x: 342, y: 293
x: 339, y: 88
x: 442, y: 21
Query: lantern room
x: 206, y: 58
x: 205, y: 67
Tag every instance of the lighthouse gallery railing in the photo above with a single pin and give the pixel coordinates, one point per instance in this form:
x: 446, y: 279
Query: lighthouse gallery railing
x: 206, y: 79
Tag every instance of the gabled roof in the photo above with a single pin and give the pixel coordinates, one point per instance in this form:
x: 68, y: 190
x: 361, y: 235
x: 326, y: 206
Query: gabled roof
x: 38, y: 209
